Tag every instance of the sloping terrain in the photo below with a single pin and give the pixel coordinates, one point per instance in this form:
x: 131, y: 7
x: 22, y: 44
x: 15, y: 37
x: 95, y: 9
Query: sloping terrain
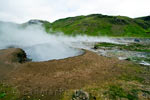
x: 103, y: 25
x: 9, y: 59
x: 96, y: 25
x: 100, y: 77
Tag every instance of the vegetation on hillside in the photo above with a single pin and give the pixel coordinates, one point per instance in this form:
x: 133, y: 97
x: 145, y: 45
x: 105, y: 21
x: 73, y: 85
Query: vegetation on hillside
x: 103, y: 25
x: 98, y: 25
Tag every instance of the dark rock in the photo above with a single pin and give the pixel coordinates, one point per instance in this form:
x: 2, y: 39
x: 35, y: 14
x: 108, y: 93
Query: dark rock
x: 21, y: 56
x: 95, y: 47
x: 80, y: 95
x: 136, y: 40
x: 18, y: 55
x: 34, y: 22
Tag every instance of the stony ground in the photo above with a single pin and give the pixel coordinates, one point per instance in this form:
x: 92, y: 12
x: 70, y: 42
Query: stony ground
x: 100, y: 78
x: 138, y: 52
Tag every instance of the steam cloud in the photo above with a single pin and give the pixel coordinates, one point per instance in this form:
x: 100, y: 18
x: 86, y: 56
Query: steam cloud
x: 40, y: 46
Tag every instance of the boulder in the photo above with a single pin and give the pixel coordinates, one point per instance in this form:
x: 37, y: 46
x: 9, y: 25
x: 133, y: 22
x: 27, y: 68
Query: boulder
x: 80, y: 95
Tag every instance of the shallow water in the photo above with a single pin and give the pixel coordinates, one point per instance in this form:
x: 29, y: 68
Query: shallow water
x: 137, y: 57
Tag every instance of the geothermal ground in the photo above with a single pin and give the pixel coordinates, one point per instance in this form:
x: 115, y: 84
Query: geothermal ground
x: 35, y: 65
x: 92, y: 76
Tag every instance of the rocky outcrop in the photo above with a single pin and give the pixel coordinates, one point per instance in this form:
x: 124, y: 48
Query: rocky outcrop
x: 13, y: 55
x: 9, y: 60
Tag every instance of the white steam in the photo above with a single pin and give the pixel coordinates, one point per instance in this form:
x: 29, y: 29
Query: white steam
x: 40, y: 46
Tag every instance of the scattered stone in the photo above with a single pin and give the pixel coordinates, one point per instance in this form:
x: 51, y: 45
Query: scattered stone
x: 136, y: 40
x: 95, y: 47
x: 80, y: 95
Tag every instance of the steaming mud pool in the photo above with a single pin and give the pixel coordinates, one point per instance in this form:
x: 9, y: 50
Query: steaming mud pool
x: 45, y: 52
x: 52, y: 47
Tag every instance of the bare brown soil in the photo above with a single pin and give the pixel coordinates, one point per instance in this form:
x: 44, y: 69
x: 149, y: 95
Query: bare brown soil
x: 70, y: 73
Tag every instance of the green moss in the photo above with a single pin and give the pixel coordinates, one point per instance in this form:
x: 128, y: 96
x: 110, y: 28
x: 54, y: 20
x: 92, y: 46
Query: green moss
x: 105, y: 44
x: 136, y: 68
x: 146, y: 92
x: 2, y: 95
x: 131, y: 77
x: 137, y: 47
x: 139, y: 59
x: 130, y: 47
x: 67, y: 95
x: 8, y: 93
x: 116, y: 92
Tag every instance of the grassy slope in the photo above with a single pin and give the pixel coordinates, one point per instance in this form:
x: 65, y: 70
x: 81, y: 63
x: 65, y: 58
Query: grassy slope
x: 97, y: 24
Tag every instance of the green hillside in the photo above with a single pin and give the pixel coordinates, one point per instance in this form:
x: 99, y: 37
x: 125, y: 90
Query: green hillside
x: 103, y: 25
x: 97, y: 25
